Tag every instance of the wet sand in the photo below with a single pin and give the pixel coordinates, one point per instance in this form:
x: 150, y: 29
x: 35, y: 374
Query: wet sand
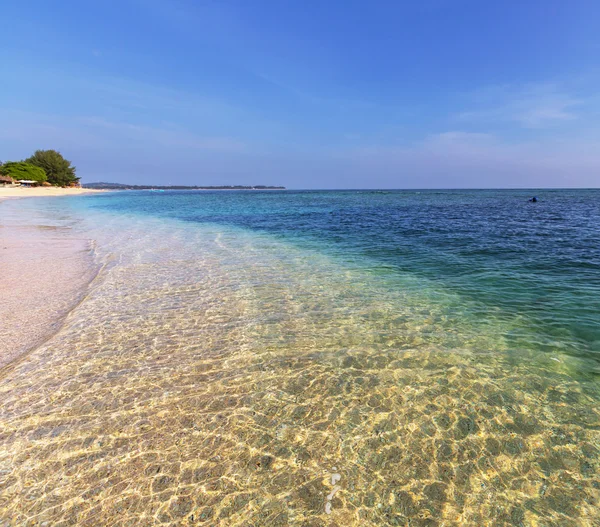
x: 43, y: 275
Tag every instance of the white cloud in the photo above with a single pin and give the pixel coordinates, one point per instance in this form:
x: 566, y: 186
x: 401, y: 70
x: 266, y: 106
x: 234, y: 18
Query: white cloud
x: 36, y: 130
x: 171, y: 136
x: 530, y: 106
x: 462, y: 159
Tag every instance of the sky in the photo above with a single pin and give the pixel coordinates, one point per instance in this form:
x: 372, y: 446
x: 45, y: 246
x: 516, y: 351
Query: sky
x: 307, y: 93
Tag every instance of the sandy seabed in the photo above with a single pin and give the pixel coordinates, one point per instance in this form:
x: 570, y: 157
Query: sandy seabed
x: 218, y: 377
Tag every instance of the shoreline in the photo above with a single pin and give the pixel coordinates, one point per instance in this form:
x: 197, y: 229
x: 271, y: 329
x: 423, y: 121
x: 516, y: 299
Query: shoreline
x: 35, y: 298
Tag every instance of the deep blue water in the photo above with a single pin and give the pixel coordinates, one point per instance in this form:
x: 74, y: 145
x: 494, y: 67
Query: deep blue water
x: 539, y: 261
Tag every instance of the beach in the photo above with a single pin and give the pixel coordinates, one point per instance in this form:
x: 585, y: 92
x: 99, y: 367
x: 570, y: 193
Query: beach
x: 39, y: 192
x: 241, y: 359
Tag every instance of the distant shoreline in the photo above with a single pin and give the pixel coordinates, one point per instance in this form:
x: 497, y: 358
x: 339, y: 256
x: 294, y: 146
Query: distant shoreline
x: 121, y: 186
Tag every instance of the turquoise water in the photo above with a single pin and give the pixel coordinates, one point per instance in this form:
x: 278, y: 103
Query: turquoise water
x: 316, y: 358
x: 539, y: 262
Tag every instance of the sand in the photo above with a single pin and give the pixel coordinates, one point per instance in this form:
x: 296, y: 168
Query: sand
x: 43, y: 275
x: 25, y: 192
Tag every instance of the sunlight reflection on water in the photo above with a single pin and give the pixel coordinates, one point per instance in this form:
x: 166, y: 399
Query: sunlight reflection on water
x: 220, y: 376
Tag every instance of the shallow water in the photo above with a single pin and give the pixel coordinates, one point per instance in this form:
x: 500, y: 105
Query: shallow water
x: 330, y: 358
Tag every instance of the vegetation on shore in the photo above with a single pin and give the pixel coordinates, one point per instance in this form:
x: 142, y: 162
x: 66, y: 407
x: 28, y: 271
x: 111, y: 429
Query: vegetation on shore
x: 43, y: 167
x: 50, y: 168
x: 18, y: 170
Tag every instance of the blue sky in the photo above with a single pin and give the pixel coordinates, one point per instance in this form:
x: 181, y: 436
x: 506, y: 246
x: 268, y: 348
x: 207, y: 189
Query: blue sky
x: 306, y: 93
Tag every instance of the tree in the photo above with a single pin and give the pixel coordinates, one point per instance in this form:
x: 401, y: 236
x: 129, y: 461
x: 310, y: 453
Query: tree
x: 21, y: 170
x: 57, y: 168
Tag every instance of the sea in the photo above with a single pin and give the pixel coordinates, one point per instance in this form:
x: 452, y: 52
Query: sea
x: 314, y: 358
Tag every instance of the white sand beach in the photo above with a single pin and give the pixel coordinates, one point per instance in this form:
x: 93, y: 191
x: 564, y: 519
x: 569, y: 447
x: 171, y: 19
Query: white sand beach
x: 37, y: 192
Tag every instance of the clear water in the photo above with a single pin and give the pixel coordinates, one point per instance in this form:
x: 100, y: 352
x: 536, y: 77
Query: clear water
x: 316, y: 358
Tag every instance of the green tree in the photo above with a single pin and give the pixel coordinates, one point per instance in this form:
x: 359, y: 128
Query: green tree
x: 59, y: 170
x: 21, y: 170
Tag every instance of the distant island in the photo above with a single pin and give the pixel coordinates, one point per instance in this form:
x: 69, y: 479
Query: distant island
x: 120, y: 186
